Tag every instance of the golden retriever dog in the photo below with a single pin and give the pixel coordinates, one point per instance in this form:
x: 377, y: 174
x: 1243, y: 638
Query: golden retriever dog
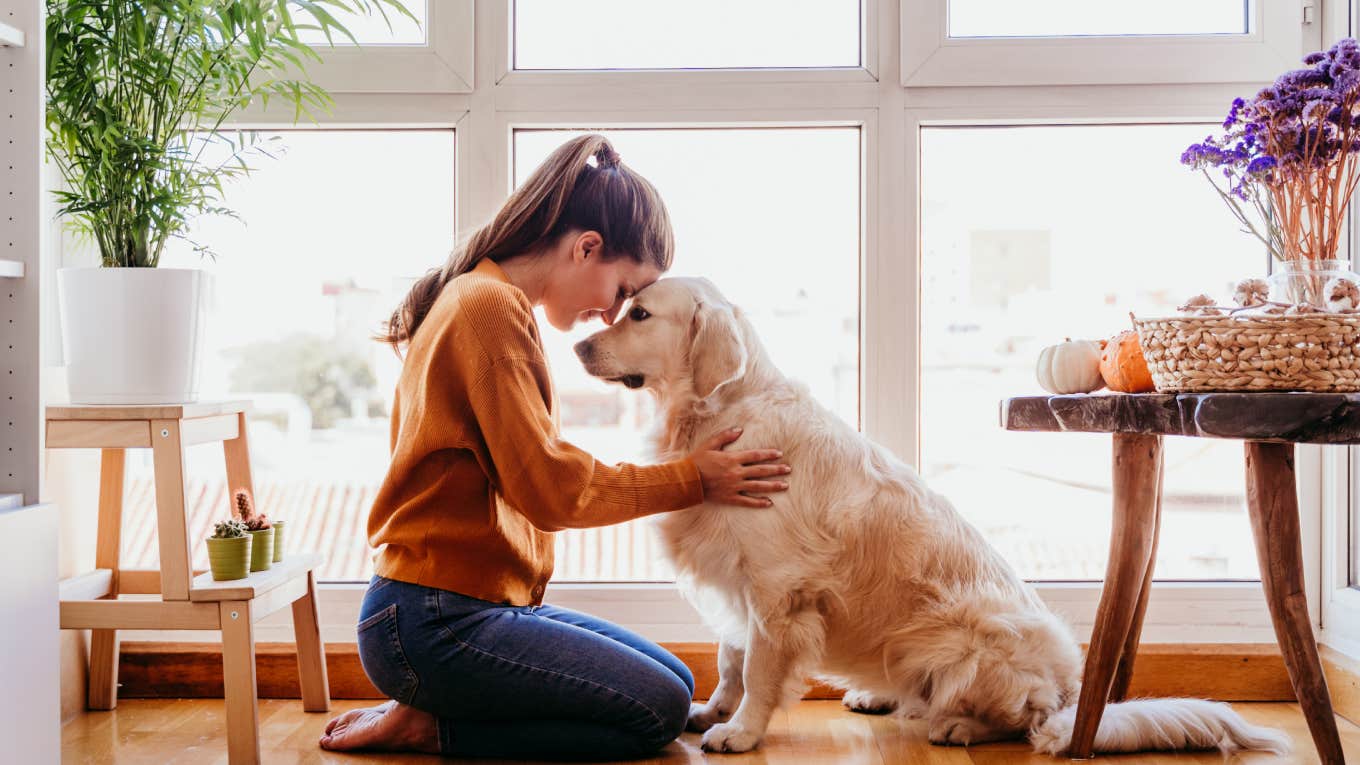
x: 859, y: 575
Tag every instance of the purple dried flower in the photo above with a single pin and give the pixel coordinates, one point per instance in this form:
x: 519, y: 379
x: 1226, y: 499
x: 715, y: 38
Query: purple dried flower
x: 1281, y: 149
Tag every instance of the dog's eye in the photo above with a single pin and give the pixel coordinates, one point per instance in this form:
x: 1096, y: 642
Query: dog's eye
x: 638, y: 313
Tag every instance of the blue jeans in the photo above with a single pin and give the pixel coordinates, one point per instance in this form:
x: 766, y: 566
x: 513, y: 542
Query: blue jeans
x: 527, y: 682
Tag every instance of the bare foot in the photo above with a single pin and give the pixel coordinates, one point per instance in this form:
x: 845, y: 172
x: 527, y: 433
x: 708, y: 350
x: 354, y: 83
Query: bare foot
x: 390, y: 727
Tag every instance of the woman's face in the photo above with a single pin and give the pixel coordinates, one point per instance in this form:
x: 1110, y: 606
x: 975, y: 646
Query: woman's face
x: 585, y: 286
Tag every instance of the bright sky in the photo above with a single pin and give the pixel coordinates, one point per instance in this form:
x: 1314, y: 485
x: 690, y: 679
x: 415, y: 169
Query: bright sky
x: 1010, y: 18
x: 375, y: 30
x: 654, y: 34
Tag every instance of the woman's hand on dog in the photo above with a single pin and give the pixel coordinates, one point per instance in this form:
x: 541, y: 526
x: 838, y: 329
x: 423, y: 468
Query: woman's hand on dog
x: 731, y: 478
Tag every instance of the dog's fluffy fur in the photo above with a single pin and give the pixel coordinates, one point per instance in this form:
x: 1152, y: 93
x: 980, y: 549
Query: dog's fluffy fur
x: 859, y: 575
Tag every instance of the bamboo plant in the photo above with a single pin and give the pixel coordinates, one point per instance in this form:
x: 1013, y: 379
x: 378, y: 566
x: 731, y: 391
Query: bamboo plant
x: 138, y: 89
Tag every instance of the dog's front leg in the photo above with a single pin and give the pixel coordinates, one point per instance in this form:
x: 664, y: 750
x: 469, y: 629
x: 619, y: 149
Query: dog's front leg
x: 772, y: 655
x: 731, y: 664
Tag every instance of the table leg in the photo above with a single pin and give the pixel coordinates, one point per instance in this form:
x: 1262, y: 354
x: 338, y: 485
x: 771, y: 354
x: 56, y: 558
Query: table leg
x: 1274, y: 509
x: 1124, y: 675
x: 1133, y: 530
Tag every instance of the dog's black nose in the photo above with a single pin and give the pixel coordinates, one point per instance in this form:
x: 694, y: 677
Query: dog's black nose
x: 583, y: 350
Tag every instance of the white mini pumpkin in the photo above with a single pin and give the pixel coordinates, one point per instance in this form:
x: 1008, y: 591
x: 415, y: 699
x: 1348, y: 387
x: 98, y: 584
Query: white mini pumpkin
x: 1071, y: 367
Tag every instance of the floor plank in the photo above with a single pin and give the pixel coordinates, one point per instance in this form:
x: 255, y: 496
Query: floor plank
x: 191, y: 732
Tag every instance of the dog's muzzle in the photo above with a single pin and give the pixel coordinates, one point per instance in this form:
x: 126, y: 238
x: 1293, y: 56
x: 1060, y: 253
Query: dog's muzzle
x: 585, y: 351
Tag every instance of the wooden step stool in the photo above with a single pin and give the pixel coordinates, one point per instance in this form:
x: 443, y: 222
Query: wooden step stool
x: 187, y: 602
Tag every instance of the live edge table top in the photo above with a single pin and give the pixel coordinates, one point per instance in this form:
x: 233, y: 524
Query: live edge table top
x: 1304, y: 418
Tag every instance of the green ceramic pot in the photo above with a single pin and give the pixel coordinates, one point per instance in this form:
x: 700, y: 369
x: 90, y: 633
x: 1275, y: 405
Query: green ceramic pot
x: 229, y: 558
x: 261, y: 549
x: 278, y: 540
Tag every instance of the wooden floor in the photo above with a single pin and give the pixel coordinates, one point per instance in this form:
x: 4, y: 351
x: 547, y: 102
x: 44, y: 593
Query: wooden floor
x: 171, y: 732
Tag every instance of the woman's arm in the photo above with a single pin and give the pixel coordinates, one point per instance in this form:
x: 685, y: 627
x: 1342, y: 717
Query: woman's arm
x: 553, y: 483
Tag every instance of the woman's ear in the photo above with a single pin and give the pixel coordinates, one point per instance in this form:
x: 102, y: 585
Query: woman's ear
x: 588, y: 244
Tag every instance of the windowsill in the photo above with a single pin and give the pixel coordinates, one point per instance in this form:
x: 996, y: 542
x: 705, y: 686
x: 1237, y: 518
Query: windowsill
x: 1178, y: 612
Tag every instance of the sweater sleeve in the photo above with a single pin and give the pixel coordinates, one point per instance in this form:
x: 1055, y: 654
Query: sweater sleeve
x: 553, y: 483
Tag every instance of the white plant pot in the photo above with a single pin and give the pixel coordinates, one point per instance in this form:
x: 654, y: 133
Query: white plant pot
x: 132, y: 335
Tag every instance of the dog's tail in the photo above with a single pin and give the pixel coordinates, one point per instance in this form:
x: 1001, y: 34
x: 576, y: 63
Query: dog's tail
x: 1161, y: 724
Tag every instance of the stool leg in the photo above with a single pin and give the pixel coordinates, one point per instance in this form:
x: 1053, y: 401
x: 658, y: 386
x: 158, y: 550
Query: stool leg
x: 311, y: 652
x: 237, y: 454
x: 238, y: 675
x: 1124, y: 675
x: 1132, y: 534
x: 103, y: 680
x: 1274, y: 509
x: 172, y: 524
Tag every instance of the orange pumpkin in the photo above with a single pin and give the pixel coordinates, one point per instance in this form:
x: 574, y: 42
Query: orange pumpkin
x: 1122, y: 365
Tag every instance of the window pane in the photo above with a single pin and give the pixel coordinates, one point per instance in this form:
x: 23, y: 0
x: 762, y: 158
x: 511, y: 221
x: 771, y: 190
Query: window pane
x: 779, y: 237
x: 695, y: 34
x: 1064, y: 18
x: 373, y: 29
x: 336, y: 229
x: 1027, y: 241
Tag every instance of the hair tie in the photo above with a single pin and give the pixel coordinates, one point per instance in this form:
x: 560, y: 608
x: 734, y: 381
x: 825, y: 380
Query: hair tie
x: 607, y: 157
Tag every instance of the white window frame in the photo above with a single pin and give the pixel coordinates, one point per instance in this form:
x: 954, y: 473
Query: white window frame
x: 930, y: 58
x: 1332, y: 600
x: 890, y: 118
x: 442, y: 65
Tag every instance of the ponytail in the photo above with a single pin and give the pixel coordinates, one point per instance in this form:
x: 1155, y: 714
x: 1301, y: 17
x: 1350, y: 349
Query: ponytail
x: 563, y: 194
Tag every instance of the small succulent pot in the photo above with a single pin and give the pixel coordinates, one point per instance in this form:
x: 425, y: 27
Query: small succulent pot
x: 278, y: 540
x: 229, y: 558
x: 261, y: 549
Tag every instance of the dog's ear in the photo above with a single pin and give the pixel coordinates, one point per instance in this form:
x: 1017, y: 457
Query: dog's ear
x: 717, y: 353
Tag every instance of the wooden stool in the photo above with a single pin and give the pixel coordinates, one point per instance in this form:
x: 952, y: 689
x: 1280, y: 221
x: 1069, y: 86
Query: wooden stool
x: 91, y: 601
x: 1270, y: 424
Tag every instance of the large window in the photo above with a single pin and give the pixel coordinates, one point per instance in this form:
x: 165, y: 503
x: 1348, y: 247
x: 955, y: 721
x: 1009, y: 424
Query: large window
x: 904, y: 225
x: 1053, y: 245
x: 332, y: 234
x: 779, y: 238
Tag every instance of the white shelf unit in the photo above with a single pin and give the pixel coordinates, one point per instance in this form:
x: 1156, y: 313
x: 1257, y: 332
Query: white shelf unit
x: 30, y: 710
x: 10, y: 37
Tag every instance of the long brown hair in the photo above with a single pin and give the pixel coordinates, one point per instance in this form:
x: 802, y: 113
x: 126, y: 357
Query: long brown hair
x: 566, y: 193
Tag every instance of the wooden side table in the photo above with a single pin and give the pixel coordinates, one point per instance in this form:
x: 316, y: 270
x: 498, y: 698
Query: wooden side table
x: 91, y: 601
x: 1270, y: 424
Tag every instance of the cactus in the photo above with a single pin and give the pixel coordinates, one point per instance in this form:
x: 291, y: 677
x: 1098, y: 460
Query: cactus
x: 229, y: 529
x: 246, y: 509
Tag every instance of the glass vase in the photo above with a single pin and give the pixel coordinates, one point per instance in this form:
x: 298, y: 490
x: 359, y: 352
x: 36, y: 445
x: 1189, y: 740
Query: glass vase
x: 1301, y: 282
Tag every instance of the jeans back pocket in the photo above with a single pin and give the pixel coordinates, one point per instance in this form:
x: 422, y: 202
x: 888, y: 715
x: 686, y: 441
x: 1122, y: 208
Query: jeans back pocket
x: 383, y: 658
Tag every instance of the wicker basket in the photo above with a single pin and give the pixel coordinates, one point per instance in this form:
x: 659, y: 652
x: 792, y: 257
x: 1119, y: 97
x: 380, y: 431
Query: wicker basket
x: 1306, y: 352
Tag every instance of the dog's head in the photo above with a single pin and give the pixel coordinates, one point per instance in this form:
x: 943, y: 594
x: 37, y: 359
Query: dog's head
x: 678, y: 332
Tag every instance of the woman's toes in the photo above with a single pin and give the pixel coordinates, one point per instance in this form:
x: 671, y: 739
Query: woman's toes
x: 353, y: 729
x: 388, y: 727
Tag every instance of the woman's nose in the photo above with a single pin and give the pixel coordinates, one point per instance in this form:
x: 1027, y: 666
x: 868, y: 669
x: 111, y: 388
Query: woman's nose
x: 613, y: 313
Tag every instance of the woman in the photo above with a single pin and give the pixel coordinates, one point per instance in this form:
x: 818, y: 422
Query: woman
x: 453, y: 627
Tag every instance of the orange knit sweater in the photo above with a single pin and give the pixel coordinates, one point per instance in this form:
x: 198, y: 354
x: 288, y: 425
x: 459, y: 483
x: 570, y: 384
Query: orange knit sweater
x: 479, y: 477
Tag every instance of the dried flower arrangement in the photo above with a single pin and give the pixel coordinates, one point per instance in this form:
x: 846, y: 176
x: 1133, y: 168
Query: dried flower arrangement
x: 1290, y: 153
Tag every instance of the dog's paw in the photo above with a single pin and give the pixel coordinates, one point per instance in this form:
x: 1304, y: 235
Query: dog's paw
x: 705, y: 716
x: 867, y: 703
x: 957, y: 731
x: 729, y: 737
